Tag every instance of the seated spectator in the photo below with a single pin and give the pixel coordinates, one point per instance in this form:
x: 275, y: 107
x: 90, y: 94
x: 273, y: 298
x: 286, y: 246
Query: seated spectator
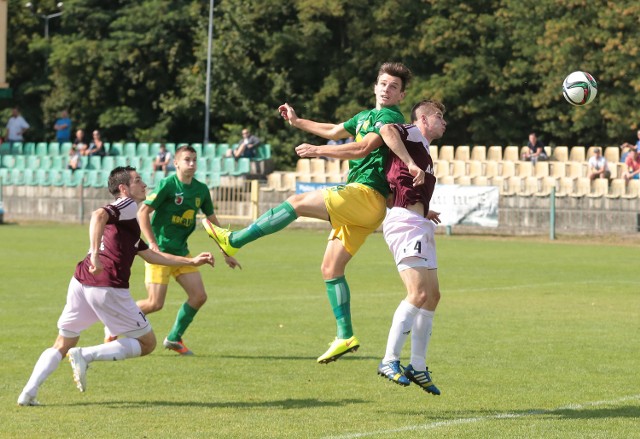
x: 626, y: 146
x: 96, y: 147
x: 598, y: 166
x: 163, y: 161
x: 74, y: 159
x: 534, y: 151
x: 80, y: 143
x: 246, y: 146
x: 632, y: 164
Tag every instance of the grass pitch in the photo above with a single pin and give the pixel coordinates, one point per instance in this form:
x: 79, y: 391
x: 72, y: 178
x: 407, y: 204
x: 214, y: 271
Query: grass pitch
x: 532, y: 339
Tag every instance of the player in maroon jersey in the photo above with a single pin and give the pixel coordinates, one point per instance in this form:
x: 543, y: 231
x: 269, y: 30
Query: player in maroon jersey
x: 99, y: 289
x: 409, y: 230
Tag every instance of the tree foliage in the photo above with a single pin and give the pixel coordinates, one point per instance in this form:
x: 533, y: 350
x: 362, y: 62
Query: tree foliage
x: 137, y: 69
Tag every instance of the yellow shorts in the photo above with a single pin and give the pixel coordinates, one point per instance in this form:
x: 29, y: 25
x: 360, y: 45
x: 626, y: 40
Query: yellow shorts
x: 355, y: 211
x: 160, y: 274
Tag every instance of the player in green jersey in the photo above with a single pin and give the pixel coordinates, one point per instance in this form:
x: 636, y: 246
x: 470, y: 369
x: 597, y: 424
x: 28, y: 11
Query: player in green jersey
x: 176, y: 201
x: 355, y: 210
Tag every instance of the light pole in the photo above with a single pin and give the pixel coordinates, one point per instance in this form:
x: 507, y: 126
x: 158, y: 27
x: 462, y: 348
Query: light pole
x: 208, y: 87
x: 45, y: 17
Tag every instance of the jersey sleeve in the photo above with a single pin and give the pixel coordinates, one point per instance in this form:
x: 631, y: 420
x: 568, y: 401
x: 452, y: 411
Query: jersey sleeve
x: 386, y: 116
x: 207, y: 204
x: 157, y: 197
x: 352, y: 124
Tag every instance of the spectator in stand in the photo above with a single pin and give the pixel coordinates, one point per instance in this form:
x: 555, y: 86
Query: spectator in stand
x: 96, y: 147
x: 534, y: 151
x: 626, y: 146
x: 598, y: 166
x: 632, y: 164
x: 80, y: 143
x: 63, y: 127
x: 163, y: 160
x: 246, y: 146
x: 74, y: 159
x: 16, y: 126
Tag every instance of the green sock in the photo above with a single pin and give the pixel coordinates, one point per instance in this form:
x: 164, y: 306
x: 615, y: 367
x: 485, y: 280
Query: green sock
x: 340, y: 300
x: 273, y: 220
x: 183, y: 320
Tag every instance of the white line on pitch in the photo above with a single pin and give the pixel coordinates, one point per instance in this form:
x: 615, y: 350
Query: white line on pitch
x: 461, y: 421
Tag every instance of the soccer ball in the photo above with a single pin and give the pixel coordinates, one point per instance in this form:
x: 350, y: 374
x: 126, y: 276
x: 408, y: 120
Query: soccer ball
x: 579, y: 88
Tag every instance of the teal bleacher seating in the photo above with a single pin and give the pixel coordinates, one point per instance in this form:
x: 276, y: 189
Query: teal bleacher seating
x: 17, y: 177
x: 5, y: 177
x: 72, y: 179
x: 20, y: 162
x: 198, y: 148
x: 29, y: 148
x: 171, y: 147
x: 5, y: 148
x: 228, y: 166
x: 43, y: 177
x: 142, y: 149
x: 29, y: 176
x: 215, y: 164
x: 59, y: 162
x: 42, y: 148
x: 116, y: 149
x: 53, y: 148
x: 263, y: 152
x: 16, y: 148
x: 56, y: 176
x: 129, y: 149
x: 8, y: 161
x: 243, y: 166
x: 153, y: 149
x: 221, y: 149
x: 209, y: 150
x: 108, y: 163
x: 95, y: 162
x: 65, y: 148
x: 32, y: 162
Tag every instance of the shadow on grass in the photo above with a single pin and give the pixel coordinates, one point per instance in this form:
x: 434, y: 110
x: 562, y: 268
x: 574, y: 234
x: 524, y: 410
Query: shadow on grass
x: 285, y: 404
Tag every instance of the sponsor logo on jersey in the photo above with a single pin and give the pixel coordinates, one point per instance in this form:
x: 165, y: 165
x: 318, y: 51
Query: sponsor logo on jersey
x: 187, y: 219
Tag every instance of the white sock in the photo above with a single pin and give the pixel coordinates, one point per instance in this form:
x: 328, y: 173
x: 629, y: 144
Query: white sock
x: 46, y: 364
x: 401, y: 325
x: 420, y: 336
x: 116, y: 350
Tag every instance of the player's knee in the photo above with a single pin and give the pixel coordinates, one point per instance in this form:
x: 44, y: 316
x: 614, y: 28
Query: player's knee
x: 147, y: 343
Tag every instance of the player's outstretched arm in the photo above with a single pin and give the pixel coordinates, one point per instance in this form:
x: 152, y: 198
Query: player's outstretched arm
x: 144, y: 219
x: 348, y: 151
x: 159, y: 258
x: 229, y: 260
x: 324, y: 130
x: 392, y: 139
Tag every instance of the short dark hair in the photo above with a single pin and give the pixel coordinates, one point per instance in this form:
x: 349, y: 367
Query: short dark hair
x: 118, y: 176
x: 430, y: 107
x: 398, y: 70
x: 186, y: 148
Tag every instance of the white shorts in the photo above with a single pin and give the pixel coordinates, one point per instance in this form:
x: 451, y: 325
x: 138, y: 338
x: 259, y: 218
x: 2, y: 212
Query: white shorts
x: 410, y: 238
x: 114, y: 307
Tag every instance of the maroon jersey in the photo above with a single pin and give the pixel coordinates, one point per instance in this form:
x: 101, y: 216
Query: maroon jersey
x: 120, y: 244
x: 398, y: 176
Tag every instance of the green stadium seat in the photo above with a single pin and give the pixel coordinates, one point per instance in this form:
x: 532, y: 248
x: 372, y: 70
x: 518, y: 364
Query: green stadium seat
x: 228, y: 165
x: 146, y: 177
x: 59, y: 162
x: 65, y: 148
x: 215, y: 164
x: 154, y: 148
x: 32, y: 162
x: 30, y: 177
x: 129, y: 149
x: 20, y: 163
x: 263, y: 152
x: 5, y: 148
x: 142, y: 149
x: 108, y: 163
x: 171, y: 147
x: 209, y: 150
x: 198, y: 148
x: 8, y: 161
x: 95, y: 162
x: 121, y: 161
x: 43, y: 177
x: 33, y: 148
x: 243, y: 166
x: 17, y: 177
x: 135, y: 161
x: 73, y: 179
x: 146, y: 163
x: 202, y: 164
x: 99, y: 179
x: 56, y: 176
x: 221, y: 149
x: 53, y: 149
x: 42, y: 148
x: 116, y: 149
x: 84, y: 162
x: 46, y: 162
x: 213, y: 180
x: 5, y: 177
x: 16, y: 148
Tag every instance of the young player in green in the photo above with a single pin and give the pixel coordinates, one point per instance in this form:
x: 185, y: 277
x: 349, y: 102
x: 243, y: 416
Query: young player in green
x: 174, y: 204
x: 355, y: 210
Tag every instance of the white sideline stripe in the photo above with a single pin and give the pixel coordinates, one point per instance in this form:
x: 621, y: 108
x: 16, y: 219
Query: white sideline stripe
x: 461, y: 421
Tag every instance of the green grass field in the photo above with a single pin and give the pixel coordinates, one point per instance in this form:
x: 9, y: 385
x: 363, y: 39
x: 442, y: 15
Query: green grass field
x: 532, y: 339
